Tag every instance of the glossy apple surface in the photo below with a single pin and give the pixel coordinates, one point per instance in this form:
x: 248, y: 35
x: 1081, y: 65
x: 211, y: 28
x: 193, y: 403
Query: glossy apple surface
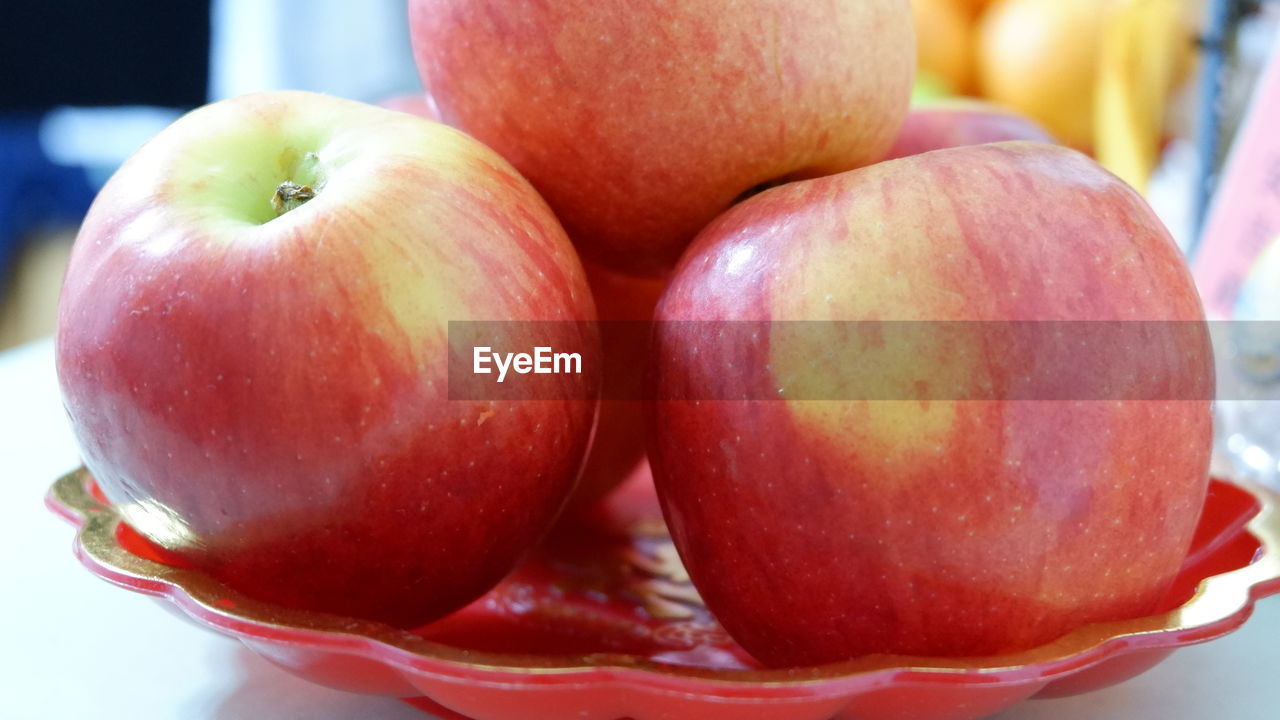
x: 640, y: 122
x: 914, y: 521
x: 264, y: 390
x: 956, y: 123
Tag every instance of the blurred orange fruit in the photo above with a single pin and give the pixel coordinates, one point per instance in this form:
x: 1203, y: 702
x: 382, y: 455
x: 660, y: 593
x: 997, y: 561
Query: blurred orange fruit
x: 1040, y: 58
x: 944, y: 43
x: 972, y: 7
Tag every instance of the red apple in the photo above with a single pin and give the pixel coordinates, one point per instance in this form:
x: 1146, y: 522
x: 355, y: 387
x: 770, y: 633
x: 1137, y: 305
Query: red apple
x: 839, y: 488
x: 625, y: 307
x: 259, y: 380
x: 640, y: 122
x: 956, y: 123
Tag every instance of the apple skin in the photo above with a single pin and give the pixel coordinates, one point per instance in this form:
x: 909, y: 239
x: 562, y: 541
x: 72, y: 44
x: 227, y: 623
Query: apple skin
x: 817, y: 531
x: 420, y: 104
x: 267, y: 396
x: 625, y: 307
x: 956, y: 123
x: 640, y: 123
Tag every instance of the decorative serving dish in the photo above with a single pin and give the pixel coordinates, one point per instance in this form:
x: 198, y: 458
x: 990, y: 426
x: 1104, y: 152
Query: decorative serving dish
x: 602, y: 623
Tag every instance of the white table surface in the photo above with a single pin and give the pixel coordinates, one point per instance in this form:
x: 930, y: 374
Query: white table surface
x: 73, y: 647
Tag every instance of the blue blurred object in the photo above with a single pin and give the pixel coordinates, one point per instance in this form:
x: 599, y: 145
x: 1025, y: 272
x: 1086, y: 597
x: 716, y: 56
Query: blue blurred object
x: 35, y: 191
x: 98, y: 139
x: 51, y: 165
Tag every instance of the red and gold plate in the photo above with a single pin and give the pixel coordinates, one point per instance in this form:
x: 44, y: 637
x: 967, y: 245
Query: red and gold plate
x: 602, y: 623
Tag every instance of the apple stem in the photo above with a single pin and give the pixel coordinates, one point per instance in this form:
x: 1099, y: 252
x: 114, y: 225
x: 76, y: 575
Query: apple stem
x: 290, y: 195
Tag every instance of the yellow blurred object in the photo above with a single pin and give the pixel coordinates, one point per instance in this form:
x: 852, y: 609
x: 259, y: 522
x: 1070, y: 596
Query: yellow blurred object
x: 1146, y: 45
x: 944, y: 43
x: 29, y: 305
x: 1040, y: 58
x: 974, y: 8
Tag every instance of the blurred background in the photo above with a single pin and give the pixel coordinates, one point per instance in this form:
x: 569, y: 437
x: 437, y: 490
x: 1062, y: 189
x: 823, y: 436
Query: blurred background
x: 1153, y: 89
x: 83, y: 83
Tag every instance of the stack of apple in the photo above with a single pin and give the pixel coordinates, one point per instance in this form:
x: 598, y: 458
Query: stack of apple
x: 254, y: 336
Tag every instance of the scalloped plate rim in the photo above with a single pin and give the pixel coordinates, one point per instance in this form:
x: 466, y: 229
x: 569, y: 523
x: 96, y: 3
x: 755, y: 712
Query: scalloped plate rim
x: 70, y: 499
